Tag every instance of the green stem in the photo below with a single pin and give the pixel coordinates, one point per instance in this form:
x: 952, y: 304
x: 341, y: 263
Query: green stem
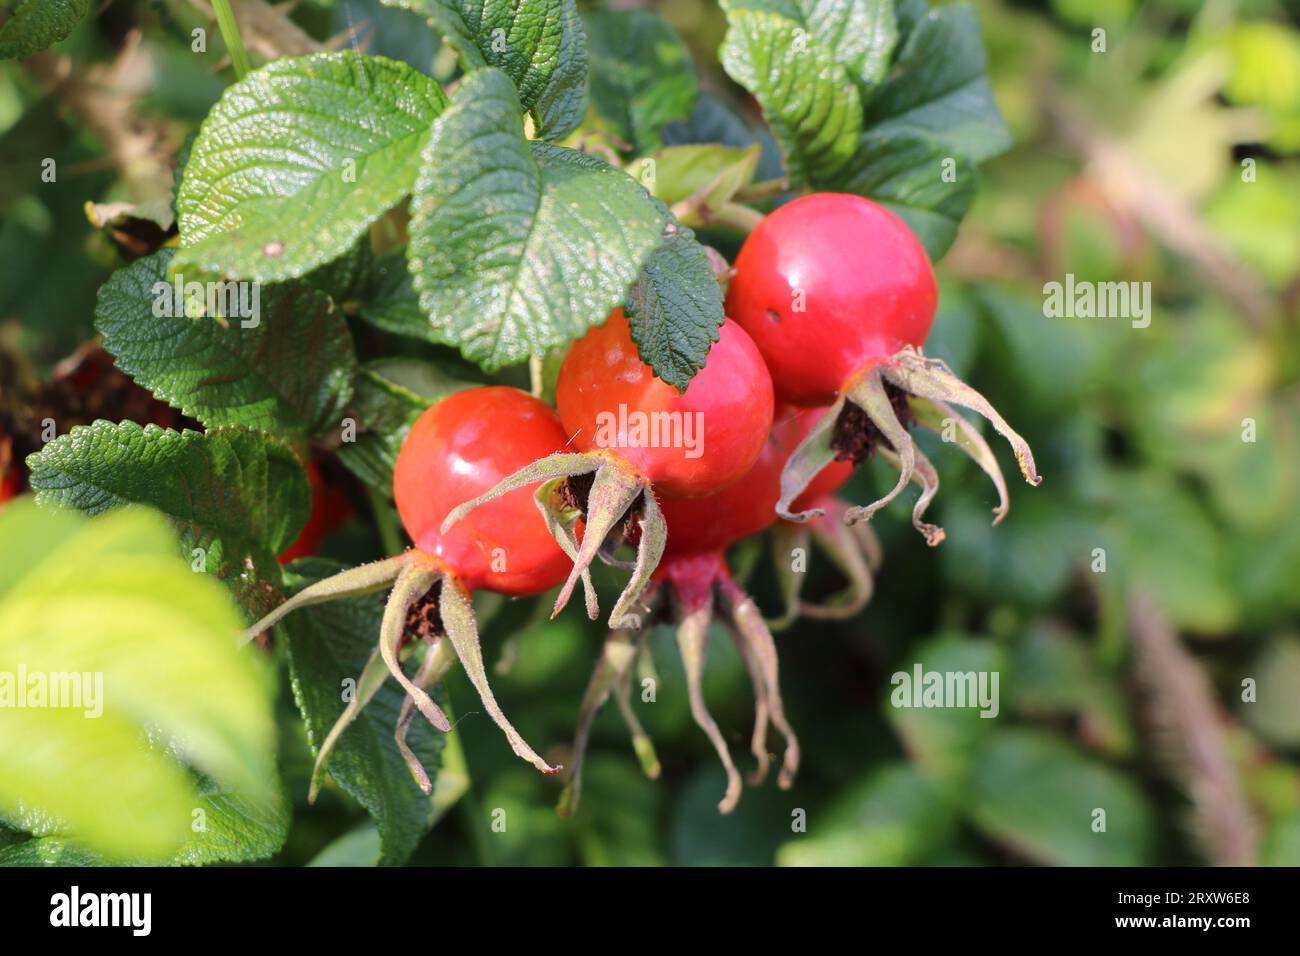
x: 471, y: 809
x: 230, y: 34
x: 738, y: 217
x: 389, y: 535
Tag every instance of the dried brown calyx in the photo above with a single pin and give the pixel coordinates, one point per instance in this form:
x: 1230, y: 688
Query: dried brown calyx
x: 874, y: 414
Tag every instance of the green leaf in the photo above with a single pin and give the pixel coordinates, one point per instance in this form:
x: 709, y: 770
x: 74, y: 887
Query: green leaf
x: 675, y: 309
x: 713, y: 122
x: 860, y: 34
x: 329, y: 644
x: 539, y: 44
x: 707, y: 175
x: 296, y: 161
x: 37, y: 24
x: 1038, y: 796
x: 391, y: 394
x: 290, y: 373
x: 807, y: 97
x: 913, y: 177
x: 1165, y: 543
x: 359, y: 847
x: 239, y: 495
x: 109, y: 599
x: 1275, y: 713
x: 390, y: 301
x: 1282, y: 844
x: 48, y: 851
x: 235, y: 828
x: 940, y: 739
x: 895, y: 817
x: 519, y: 247
x: 940, y: 88
x: 641, y: 74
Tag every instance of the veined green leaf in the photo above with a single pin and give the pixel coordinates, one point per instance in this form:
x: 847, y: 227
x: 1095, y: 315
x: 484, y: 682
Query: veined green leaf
x: 641, y: 74
x: 289, y: 371
x: 519, y: 247
x: 234, y: 828
x: 110, y: 600
x: 297, y: 159
x: 675, y: 309
x: 809, y: 101
x: 860, y: 34
x: 539, y: 44
x: 940, y: 88
x: 37, y: 24
x: 240, y: 496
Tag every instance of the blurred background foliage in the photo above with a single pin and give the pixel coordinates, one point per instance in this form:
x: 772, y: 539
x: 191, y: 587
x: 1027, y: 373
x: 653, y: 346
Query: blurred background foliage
x: 1173, y: 157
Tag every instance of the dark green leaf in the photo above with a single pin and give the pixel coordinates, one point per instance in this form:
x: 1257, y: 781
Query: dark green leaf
x: 289, y: 372
x: 237, y: 494
x: 941, y: 739
x: 391, y: 394
x: 37, y: 24
x: 390, y: 301
x: 941, y: 88
x: 895, y: 817
x: 641, y: 74
x: 675, y: 309
x: 520, y: 247
x: 1039, y: 797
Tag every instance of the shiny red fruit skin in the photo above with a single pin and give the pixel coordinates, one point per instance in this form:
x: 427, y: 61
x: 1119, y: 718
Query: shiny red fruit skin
x: 458, y: 449
x: 715, y: 523
x: 9, y: 481
x: 732, y: 393
x: 867, y: 285
x: 329, y: 509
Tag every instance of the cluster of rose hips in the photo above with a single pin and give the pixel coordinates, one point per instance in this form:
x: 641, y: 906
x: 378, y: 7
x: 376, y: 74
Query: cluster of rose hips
x: 818, y: 365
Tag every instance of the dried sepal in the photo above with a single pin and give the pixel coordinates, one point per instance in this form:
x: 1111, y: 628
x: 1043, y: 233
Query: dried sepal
x: 806, y: 462
x: 693, y: 642
x: 868, y: 393
x: 413, y: 582
x: 932, y: 379
x: 934, y: 415
x: 747, y: 624
x: 462, y: 630
x: 616, y: 659
x: 437, y: 660
x: 354, y: 582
